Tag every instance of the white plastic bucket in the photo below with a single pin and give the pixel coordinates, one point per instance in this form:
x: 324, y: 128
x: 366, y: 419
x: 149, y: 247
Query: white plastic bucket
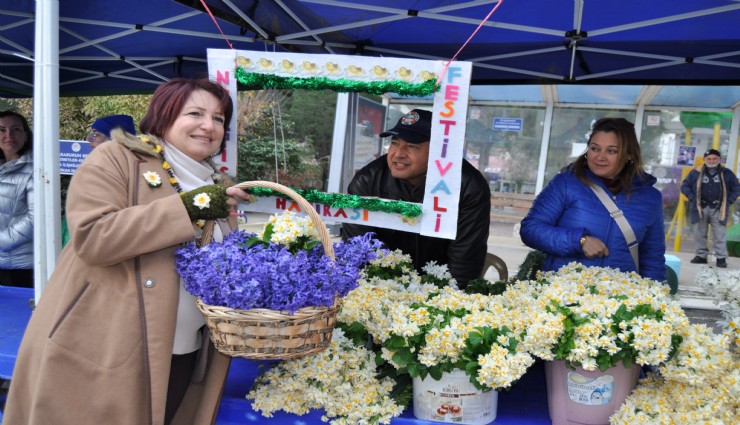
x: 453, y: 399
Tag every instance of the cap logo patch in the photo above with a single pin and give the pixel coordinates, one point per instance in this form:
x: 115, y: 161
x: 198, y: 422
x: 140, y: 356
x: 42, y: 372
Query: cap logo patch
x: 410, y: 119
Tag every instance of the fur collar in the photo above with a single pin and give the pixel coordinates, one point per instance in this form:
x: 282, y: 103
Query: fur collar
x: 134, y: 143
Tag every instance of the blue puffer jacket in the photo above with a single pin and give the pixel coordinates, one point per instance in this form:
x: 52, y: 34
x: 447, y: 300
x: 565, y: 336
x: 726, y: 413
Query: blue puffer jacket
x: 568, y: 209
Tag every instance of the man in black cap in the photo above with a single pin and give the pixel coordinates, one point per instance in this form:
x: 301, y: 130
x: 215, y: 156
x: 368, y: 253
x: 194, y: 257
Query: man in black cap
x: 401, y: 175
x: 711, y: 190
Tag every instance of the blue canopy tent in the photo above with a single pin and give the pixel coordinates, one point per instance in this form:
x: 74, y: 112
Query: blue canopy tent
x: 114, y: 46
x: 51, y: 48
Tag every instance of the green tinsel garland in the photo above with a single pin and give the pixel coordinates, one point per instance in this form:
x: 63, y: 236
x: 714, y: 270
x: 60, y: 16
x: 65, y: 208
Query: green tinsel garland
x: 254, y: 81
x: 340, y: 200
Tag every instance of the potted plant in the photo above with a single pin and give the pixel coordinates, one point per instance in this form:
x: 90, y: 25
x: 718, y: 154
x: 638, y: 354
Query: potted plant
x: 442, y: 339
x: 594, y: 327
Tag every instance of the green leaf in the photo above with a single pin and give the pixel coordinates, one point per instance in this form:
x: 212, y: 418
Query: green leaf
x: 604, y: 362
x: 435, y: 372
x: 472, y: 368
x: 395, y: 342
x: 403, y: 358
x: 475, y: 338
x: 254, y: 240
x: 312, y: 243
x: 356, y: 332
x: 269, y: 230
x: 676, y: 341
x: 414, y: 369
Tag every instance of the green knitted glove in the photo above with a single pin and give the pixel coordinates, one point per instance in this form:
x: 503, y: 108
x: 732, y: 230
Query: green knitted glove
x: 206, y: 202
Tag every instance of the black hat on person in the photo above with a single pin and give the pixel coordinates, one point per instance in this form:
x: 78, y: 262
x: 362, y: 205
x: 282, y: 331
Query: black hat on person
x: 106, y: 124
x: 414, y: 127
x: 712, y: 152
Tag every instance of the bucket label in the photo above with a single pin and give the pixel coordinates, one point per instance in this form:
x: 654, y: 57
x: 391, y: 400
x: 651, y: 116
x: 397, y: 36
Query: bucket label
x: 453, y: 400
x: 590, y: 391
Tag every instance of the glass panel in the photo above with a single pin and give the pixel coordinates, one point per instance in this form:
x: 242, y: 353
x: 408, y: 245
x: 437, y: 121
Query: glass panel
x: 616, y: 95
x: 370, y: 123
x: 569, y: 134
x: 504, y: 142
x: 673, y: 143
x: 513, y: 93
x: 697, y: 96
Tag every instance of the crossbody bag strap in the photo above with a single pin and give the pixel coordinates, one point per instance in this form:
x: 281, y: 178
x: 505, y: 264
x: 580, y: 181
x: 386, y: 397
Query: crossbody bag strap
x: 622, y: 222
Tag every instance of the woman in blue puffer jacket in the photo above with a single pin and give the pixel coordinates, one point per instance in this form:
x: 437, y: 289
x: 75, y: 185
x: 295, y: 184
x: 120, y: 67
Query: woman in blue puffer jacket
x: 569, y: 223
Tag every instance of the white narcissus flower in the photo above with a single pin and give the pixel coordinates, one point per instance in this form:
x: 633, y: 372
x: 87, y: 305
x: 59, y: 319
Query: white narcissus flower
x: 698, y: 386
x: 342, y: 380
x: 153, y: 179
x: 724, y: 287
x: 202, y: 200
x: 288, y: 227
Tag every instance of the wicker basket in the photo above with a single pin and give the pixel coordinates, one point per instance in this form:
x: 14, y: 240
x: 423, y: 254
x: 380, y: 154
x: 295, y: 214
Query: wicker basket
x: 263, y: 334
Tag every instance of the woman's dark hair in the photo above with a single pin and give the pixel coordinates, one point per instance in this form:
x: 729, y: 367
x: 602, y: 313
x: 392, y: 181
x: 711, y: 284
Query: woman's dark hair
x: 169, y: 99
x: 630, y: 159
x: 29, y: 135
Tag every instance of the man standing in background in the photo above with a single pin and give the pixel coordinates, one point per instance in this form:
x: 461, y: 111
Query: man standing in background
x: 711, y: 190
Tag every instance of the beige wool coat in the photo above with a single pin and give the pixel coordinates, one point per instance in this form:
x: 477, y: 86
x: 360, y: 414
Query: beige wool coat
x: 98, y: 346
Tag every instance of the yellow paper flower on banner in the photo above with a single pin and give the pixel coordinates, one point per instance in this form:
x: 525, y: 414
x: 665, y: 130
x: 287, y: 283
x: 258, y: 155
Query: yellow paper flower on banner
x: 409, y: 220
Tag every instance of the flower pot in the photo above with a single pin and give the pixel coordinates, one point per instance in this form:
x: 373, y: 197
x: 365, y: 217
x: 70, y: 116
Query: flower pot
x: 586, y: 397
x: 453, y: 399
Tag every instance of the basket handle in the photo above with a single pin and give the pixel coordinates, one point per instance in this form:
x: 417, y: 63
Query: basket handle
x: 306, y: 207
x: 206, y: 236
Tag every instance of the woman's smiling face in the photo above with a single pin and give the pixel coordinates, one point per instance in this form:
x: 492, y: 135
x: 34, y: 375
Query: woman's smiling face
x: 602, y: 155
x: 200, y: 126
x: 12, y: 136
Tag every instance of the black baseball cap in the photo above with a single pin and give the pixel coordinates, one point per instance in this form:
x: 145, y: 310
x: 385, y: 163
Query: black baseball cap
x: 414, y: 127
x: 712, y: 152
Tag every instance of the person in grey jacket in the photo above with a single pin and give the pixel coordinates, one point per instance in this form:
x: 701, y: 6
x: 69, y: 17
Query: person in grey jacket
x: 711, y: 189
x: 16, y: 201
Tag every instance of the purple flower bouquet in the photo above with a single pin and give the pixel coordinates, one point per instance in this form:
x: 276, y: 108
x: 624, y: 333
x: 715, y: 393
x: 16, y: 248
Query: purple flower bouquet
x: 240, y: 274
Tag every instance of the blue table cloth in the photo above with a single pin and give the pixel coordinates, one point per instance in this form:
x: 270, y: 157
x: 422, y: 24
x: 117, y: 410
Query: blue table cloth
x: 524, y: 404
x: 15, y: 311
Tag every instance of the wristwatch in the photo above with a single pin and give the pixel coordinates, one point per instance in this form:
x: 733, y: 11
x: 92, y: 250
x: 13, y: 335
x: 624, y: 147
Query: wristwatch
x: 583, y: 240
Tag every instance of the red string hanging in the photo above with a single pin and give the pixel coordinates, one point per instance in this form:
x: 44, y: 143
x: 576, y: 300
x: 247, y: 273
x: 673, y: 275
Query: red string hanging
x: 203, y: 2
x: 447, y: 64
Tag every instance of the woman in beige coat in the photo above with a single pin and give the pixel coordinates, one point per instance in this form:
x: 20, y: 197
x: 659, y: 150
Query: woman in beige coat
x: 115, y: 339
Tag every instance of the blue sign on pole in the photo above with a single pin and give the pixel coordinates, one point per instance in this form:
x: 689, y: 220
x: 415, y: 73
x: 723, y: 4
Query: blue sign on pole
x: 507, y: 124
x: 71, y: 154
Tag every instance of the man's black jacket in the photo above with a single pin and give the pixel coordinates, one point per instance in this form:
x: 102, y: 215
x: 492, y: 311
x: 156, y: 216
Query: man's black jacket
x: 466, y: 254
